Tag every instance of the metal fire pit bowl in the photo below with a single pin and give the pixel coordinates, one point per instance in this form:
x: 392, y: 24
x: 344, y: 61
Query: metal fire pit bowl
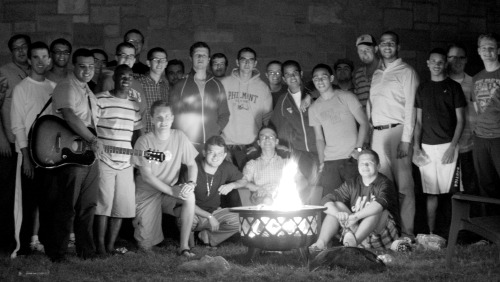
x: 276, y: 230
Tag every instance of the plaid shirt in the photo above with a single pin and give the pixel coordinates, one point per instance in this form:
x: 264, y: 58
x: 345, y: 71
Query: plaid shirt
x: 153, y: 92
x: 266, y: 174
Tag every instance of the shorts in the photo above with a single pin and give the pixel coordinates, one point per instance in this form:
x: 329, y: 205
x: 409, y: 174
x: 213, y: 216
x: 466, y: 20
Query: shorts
x: 116, y: 193
x: 437, y: 177
x: 382, y: 239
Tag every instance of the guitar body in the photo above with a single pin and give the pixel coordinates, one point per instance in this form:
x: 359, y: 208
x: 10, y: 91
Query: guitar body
x: 53, y: 144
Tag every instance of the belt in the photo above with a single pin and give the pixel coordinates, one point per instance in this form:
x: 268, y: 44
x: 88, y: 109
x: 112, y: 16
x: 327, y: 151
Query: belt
x: 382, y: 127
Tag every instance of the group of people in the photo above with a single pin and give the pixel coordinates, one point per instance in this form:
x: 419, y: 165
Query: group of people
x: 185, y: 144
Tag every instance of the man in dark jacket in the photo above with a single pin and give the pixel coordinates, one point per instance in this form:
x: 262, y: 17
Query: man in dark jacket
x: 199, y: 100
x: 292, y: 122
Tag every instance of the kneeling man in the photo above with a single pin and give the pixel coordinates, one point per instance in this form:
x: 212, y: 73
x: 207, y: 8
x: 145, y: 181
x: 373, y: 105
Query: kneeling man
x: 156, y: 191
x: 216, y: 177
x: 365, y: 208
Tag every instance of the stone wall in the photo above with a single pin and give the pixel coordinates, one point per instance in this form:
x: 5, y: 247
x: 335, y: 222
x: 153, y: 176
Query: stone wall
x: 308, y: 31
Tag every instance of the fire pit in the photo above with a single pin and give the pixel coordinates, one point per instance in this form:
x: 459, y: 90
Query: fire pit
x: 265, y: 228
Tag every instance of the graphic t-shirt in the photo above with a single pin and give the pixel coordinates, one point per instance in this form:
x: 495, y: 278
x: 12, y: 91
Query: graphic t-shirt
x: 487, y: 98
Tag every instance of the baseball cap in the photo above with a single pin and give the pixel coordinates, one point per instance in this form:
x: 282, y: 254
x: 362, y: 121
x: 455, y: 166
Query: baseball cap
x: 343, y: 61
x: 366, y: 39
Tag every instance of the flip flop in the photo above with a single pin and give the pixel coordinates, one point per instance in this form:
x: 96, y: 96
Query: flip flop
x: 185, y: 253
x: 119, y: 251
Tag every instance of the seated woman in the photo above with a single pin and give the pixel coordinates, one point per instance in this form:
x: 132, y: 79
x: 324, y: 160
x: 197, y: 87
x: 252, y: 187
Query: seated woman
x: 364, y: 208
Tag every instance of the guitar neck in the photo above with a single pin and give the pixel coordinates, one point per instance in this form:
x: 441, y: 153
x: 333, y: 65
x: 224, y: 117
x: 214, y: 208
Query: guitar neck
x: 123, y: 151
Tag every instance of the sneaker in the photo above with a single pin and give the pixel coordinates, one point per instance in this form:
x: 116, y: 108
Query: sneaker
x: 36, y: 246
x: 71, y: 244
x: 203, y: 236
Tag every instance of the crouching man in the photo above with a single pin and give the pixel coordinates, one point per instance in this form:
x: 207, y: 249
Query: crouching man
x: 216, y: 177
x: 364, y: 208
x: 156, y: 192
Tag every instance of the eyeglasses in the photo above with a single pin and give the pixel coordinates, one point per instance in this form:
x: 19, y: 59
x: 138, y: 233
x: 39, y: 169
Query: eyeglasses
x: 246, y: 61
x: 290, y: 75
x: 159, y: 60
x: 23, y: 47
x: 274, y: 73
x: 457, y: 57
x: 125, y: 56
x: 267, y: 137
x: 388, y: 44
x: 320, y: 78
x: 61, y: 53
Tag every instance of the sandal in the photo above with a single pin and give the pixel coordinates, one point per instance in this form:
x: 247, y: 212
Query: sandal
x: 119, y: 251
x: 314, y: 248
x: 185, y: 253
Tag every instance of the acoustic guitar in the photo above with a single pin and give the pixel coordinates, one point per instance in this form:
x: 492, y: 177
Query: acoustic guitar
x: 53, y: 144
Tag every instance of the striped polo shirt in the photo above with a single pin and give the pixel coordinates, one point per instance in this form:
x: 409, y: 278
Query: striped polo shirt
x: 118, y: 118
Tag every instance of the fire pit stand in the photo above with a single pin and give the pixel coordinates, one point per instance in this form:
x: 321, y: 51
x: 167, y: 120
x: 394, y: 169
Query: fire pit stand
x: 277, y: 230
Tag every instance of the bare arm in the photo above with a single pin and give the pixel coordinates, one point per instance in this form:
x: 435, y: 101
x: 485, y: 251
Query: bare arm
x: 449, y: 154
x: 362, y: 119
x: 417, y: 135
x: 154, y: 182
x: 226, y: 188
x: 320, y: 145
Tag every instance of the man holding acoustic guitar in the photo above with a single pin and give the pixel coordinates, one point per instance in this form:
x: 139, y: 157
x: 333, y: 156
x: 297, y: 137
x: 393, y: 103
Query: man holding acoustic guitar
x: 73, y: 189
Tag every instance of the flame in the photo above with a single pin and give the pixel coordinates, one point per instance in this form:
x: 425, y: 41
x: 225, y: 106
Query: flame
x: 287, y: 196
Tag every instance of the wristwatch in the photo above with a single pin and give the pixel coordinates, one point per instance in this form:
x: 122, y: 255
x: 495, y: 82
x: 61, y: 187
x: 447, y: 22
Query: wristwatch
x: 358, y: 149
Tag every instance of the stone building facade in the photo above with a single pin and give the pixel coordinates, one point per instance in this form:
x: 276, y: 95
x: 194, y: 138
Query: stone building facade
x: 308, y: 31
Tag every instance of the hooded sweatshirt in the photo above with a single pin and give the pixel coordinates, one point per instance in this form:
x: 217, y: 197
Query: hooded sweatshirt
x: 293, y: 124
x: 208, y: 109
x: 250, y: 105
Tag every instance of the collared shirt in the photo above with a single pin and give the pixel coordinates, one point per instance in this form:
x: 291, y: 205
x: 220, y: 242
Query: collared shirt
x: 265, y: 173
x: 76, y: 95
x: 153, y: 92
x: 392, y: 96
x: 13, y: 75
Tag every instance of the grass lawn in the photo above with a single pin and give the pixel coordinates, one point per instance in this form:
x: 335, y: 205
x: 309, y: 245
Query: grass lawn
x: 472, y: 263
